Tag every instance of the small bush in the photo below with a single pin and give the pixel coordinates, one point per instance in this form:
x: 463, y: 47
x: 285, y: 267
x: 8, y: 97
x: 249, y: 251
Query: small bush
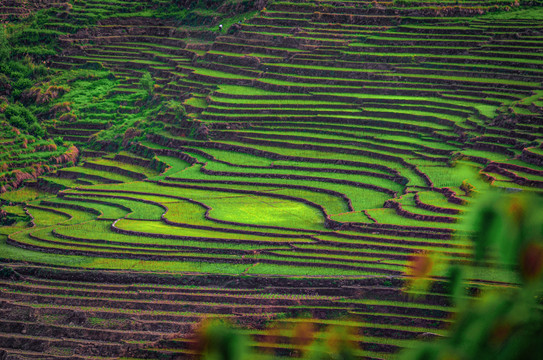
x: 18, y: 122
x: 147, y: 83
x: 19, y: 116
x: 20, y: 85
x: 36, y: 130
x: 177, y: 108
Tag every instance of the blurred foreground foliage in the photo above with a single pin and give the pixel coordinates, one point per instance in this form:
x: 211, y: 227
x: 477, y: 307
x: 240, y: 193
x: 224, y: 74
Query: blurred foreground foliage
x: 504, y: 324
x: 219, y: 341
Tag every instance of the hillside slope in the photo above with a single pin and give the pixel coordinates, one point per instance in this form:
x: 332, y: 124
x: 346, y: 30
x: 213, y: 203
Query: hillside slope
x: 289, y: 164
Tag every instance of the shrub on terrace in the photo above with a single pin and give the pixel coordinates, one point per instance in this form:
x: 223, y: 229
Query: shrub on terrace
x: 22, y: 118
x: 147, y: 83
x: 59, y: 140
x: 176, y: 108
x: 36, y: 130
x: 198, y: 130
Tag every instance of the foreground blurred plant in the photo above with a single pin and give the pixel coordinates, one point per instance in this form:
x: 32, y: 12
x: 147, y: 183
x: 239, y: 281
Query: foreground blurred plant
x: 509, y: 230
x: 505, y: 325
x: 219, y: 341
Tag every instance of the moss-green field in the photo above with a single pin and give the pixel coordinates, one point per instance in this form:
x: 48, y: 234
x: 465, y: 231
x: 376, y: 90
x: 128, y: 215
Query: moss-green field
x: 278, y: 164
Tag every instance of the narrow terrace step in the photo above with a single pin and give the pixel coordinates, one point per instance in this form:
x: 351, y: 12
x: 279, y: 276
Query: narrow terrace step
x: 75, y: 332
x: 83, y: 125
x: 80, y: 133
x: 28, y: 355
x: 114, y: 169
x: 67, y: 174
x: 76, y: 138
x: 43, y: 344
x: 127, y: 319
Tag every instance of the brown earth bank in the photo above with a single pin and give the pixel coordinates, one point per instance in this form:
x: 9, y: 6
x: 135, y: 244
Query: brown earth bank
x: 48, y: 308
x: 127, y: 313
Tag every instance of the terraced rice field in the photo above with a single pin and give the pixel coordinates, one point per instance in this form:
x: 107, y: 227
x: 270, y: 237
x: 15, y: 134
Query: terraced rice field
x: 325, y: 144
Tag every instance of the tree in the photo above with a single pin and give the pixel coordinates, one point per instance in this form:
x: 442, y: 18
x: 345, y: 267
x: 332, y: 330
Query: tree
x: 147, y: 83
